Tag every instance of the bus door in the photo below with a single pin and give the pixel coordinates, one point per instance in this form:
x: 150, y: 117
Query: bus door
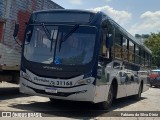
x: 130, y: 84
x: 121, y: 77
x: 136, y: 83
x: 122, y: 87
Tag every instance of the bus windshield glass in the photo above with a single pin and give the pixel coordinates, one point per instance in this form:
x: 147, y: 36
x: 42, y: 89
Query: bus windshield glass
x: 46, y: 45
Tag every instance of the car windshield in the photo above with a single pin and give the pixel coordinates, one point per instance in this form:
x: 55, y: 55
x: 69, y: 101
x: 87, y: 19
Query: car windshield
x: 48, y: 47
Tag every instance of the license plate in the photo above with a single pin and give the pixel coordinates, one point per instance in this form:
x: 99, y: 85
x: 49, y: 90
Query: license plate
x: 61, y: 83
x: 51, y: 90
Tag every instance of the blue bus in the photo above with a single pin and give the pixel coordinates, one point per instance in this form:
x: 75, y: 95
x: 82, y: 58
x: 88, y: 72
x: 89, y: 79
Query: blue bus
x: 81, y: 56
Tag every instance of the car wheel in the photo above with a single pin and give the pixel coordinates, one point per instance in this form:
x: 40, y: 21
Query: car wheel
x: 107, y: 104
x: 138, y: 96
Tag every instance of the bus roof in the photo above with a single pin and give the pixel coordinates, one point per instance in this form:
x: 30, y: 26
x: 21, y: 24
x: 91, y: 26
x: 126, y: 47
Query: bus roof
x: 64, y: 10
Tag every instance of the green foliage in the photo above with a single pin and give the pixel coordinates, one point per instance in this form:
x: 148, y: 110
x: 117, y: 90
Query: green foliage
x: 153, y: 43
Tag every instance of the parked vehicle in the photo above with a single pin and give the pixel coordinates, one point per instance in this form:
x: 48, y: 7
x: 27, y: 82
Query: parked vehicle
x: 155, y: 78
x: 155, y: 82
x: 11, y: 12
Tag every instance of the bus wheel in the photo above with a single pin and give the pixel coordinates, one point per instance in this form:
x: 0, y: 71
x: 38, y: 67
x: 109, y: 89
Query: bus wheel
x: 138, y: 96
x: 107, y: 104
x: 54, y: 100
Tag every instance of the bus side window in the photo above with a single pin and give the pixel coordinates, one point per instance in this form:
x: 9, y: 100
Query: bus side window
x: 118, y: 44
x: 107, y: 39
x: 103, y: 51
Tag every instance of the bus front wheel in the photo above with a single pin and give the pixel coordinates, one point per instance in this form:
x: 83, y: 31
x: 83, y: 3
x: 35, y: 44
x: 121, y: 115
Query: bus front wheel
x: 54, y: 100
x: 107, y: 104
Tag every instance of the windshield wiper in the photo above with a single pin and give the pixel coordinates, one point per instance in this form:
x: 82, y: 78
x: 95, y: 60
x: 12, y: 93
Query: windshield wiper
x: 67, y: 35
x: 46, y: 31
x: 48, y: 34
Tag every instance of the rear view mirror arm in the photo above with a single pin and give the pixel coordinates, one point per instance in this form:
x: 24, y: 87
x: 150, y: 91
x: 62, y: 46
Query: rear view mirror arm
x: 16, y: 30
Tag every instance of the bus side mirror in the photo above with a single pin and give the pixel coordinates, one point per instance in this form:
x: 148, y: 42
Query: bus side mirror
x: 16, y: 30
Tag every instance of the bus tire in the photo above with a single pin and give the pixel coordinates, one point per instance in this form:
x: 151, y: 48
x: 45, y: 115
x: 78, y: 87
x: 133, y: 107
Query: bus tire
x: 53, y: 100
x: 107, y: 104
x: 138, y: 96
x: 156, y: 86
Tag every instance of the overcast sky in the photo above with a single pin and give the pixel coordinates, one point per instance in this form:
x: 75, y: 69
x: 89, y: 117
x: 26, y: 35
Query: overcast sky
x: 136, y: 16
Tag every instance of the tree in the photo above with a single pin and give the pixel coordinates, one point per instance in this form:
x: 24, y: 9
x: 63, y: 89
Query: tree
x: 153, y: 43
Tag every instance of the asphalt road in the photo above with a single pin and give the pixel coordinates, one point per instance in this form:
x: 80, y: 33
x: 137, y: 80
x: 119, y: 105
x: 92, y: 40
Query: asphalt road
x: 12, y: 100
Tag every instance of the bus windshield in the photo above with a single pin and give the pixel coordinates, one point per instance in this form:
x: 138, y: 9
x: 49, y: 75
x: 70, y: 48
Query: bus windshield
x: 45, y: 45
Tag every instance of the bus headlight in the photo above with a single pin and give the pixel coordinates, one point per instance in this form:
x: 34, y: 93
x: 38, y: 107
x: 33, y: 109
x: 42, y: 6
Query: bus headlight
x: 84, y: 81
x: 25, y: 75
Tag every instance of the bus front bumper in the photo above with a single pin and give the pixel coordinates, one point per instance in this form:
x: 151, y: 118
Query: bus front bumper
x: 79, y: 93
